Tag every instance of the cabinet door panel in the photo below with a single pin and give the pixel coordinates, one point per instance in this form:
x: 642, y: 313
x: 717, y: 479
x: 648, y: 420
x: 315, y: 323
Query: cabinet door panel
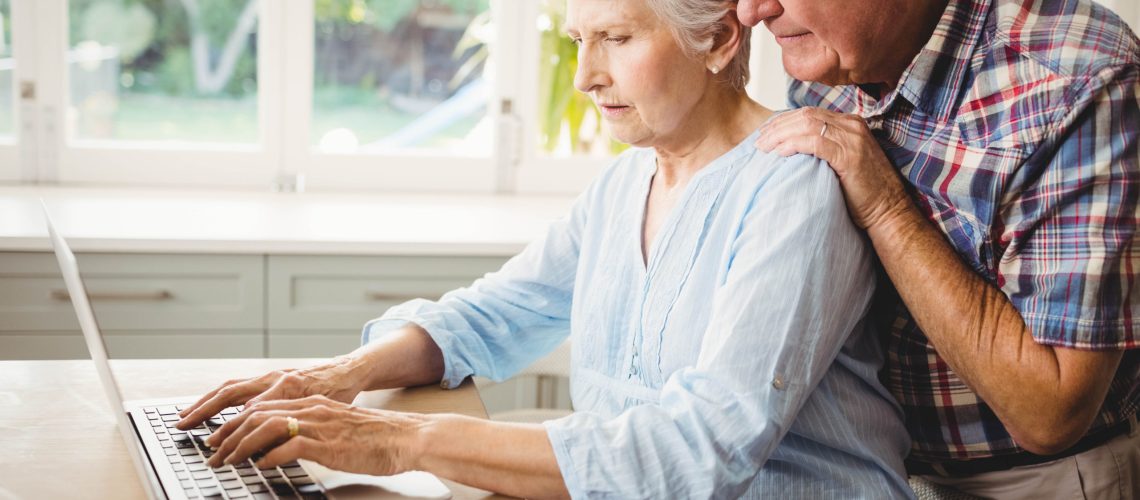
x: 340, y: 294
x: 135, y: 292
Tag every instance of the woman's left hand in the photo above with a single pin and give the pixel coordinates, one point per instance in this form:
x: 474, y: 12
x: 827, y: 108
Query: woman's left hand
x: 334, y: 434
x: 871, y: 185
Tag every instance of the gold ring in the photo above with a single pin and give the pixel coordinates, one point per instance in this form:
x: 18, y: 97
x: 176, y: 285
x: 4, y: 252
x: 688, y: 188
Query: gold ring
x: 294, y: 427
x: 823, y: 130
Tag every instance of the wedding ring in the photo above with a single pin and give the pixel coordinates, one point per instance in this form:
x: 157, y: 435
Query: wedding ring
x: 294, y: 427
x: 823, y: 130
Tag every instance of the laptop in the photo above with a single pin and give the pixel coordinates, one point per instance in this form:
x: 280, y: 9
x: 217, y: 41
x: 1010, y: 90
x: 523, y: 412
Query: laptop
x: 171, y: 463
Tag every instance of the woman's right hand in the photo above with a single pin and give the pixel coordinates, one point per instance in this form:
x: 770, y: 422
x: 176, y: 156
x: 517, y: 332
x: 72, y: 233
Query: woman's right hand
x: 335, y: 379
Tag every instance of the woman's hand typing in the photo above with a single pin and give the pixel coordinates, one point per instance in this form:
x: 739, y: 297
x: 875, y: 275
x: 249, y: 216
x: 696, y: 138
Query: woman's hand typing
x: 329, y: 432
x: 338, y: 380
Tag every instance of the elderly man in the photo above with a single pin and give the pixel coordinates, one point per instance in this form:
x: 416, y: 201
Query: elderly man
x: 990, y: 150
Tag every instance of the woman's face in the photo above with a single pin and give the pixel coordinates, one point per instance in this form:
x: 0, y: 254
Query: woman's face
x: 630, y: 65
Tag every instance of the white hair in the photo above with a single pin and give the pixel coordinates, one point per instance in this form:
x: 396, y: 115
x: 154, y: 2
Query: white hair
x: 695, y: 25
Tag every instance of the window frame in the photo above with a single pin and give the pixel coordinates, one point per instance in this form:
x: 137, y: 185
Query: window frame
x: 12, y: 164
x: 284, y: 158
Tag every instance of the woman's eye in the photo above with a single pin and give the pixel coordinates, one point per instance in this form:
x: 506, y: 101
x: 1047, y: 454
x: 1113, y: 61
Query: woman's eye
x: 617, y: 39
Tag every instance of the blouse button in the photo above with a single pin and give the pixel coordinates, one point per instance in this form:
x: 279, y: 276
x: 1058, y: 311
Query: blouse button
x: 778, y: 383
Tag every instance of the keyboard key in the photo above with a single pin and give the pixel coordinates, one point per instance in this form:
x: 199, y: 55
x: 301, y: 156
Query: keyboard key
x: 268, y: 473
x: 226, y: 476
x: 179, y: 467
x: 203, y: 475
x: 230, y: 411
x: 193, y: 459
x: 247, y: 472
x: 280, y: 486
x: 251, y: 480
x: 187, y: 484
x: 196, y: 467
x: 183, y: 475
x: 262, y: 496
x: 171, y: 418
x: 237, y: 493
x: 211, y: 493
x: 310, y: 492
x: 257, y: 487
x: 231, y: 485
x: 301, y: 481
x: 171, y: 452
x: 167, y: 410
x: 183, y: 444
x: 199, y: 432
x: 294, y: 471
x: 187, y: 452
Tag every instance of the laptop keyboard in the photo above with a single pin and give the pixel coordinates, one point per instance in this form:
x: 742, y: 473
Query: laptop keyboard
x: 187, y: 454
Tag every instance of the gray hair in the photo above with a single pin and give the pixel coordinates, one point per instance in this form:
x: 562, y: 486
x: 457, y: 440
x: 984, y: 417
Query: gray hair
x: 695, y: 25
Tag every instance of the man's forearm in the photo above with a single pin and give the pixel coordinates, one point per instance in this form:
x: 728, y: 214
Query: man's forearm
x: 979, y: 333
x: 513, y: 459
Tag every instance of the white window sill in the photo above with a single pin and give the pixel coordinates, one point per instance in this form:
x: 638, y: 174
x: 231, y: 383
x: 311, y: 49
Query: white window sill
x: 232, y: 222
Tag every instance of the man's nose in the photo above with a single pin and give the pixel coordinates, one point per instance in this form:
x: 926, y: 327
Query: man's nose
x: 753, y: 12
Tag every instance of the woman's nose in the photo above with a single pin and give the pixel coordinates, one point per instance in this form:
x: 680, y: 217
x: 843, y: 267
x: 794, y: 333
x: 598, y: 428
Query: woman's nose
x: 591, y: 74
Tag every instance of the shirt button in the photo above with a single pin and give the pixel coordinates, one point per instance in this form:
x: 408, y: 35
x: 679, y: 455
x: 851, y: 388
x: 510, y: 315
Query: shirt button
x: 444, y: 385
x: 634, y: 370
x: 778, y: 383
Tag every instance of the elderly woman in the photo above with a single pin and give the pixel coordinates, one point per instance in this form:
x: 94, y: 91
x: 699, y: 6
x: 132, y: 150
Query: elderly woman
x: 714, y: 295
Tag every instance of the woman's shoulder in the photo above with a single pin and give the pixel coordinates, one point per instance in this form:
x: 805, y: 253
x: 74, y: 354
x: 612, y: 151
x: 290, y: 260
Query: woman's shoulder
x: 807, y: 178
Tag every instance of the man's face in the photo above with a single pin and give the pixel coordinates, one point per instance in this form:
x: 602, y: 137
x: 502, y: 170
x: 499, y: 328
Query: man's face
x: 836, y: 42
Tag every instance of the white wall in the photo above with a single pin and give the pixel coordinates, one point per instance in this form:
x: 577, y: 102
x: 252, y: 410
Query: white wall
x: 1129, y: 10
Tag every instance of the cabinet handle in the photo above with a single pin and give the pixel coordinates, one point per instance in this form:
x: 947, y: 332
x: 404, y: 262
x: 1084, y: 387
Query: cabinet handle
x: 389, y: 297
x: 63, y: 295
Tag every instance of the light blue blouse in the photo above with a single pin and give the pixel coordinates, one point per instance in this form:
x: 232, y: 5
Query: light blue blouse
x: 734, y: 364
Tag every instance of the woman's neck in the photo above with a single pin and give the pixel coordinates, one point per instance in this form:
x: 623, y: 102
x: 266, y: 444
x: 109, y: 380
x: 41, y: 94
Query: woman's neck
x: 721, y: 121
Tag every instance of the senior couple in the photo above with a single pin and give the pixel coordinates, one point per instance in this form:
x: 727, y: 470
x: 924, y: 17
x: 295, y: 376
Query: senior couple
x: 928, y: 268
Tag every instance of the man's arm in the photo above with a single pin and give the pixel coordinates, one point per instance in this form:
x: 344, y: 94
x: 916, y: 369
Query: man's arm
x: 1047, y: 397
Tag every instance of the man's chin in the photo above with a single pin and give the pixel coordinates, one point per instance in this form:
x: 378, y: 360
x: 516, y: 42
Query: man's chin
x: 810, y: 71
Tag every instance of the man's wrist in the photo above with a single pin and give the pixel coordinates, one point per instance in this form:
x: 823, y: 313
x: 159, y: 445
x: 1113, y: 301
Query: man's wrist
x: 896, y: 222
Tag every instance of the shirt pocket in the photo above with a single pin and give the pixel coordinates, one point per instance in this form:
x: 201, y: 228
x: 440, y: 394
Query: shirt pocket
x: 958, y: 187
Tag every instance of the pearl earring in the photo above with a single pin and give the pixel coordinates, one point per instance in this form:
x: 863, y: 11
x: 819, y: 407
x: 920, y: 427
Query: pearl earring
x: 715, y: 69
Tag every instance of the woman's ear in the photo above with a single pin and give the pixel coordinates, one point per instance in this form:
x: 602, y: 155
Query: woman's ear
x: 727, y: 42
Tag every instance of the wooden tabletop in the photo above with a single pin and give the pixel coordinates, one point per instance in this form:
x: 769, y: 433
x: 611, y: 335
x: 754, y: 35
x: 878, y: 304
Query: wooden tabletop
x: 58, y: 437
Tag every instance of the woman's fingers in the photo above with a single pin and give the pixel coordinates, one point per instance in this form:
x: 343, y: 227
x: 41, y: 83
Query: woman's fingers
x: 262, y: 432
x: 293, y: 449
x: 222, y: 433
x: 232, y: 393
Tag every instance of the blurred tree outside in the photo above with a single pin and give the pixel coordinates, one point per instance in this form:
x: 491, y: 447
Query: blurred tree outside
x: 400, y: 73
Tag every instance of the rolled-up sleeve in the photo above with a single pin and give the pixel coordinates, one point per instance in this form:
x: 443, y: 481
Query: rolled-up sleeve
x: 507, y: 319
x: 799, y: 283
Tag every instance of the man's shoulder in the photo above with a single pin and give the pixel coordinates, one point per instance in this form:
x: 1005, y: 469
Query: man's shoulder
x: 1071, y: 39
x: 1041, y: 61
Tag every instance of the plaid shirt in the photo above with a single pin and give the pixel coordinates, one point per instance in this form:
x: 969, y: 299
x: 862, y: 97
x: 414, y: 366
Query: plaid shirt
x: 1016, y: 128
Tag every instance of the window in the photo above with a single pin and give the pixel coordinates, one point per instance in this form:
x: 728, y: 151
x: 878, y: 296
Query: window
x: 396, y: 76
x: 182, y: 71
x: 7, y: 73
x: 393, y: 95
